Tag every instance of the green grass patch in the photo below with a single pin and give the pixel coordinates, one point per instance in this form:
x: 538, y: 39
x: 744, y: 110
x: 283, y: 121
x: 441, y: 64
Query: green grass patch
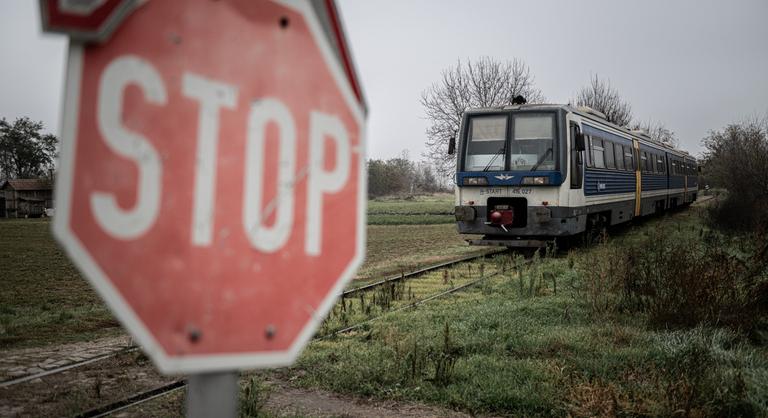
x: 420, y: 210
x: 441, y: 204
x: 410, y: 219
x: 44, y: 299
x: 533, y: 341
x: 395, y: 249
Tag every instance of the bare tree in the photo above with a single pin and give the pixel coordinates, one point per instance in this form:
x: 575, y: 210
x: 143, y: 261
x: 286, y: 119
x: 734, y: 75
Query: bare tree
x: 601, y: 96
x: 736, y: 158
x: 658, y: 132
x: 482, y: 83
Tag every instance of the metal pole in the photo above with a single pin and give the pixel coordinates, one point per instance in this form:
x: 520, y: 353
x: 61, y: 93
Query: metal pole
x: 212, y: 395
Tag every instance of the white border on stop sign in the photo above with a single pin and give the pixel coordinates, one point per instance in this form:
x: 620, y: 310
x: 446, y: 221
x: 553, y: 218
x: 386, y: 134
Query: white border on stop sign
x: 98, y: 279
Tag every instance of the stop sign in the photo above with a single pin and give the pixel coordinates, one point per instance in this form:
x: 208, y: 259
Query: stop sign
x: 212, y: 179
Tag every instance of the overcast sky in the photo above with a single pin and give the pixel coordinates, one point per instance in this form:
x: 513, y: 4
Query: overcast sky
x: 695, y: 65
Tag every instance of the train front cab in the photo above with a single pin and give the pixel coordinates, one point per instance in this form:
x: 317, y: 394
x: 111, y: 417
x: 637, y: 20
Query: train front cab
x: 513, y: 186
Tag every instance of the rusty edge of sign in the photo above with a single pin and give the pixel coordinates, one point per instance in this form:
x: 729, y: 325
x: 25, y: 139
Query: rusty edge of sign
x: 333, y: 26
x: 101, y: 35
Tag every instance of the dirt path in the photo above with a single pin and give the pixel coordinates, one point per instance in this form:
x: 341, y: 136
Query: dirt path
x: 285, y: 400
x: 26, y: 361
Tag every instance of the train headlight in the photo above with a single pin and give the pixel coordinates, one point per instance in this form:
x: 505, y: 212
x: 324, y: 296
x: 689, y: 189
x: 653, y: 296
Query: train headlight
x: 475, y: 181
x: 538, y: 180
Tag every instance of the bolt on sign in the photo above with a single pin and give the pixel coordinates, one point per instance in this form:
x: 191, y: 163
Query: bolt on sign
x: 212, y: 177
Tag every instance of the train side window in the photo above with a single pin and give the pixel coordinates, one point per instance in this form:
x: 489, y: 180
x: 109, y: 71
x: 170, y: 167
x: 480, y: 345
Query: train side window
x: 598, y: 154
x: 609, y: 163
x: 618, y: 155
x: 660, y: 164
x: 629, y: 161
x: 644, y: 162
x: 588, y: 152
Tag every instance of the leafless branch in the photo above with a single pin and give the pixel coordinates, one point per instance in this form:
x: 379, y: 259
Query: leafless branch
x: 485, y: 82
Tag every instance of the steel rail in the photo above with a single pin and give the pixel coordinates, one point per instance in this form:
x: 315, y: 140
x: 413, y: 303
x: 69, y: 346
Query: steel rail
x: 128, y: 349
x: 418, y: 272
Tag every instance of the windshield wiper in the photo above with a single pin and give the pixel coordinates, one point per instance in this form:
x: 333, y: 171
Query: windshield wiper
x: 541, y: 160
x: 495, y: 156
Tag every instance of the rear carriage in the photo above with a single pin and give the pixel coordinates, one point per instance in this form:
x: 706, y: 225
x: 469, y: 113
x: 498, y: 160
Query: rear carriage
x: 530, y: 173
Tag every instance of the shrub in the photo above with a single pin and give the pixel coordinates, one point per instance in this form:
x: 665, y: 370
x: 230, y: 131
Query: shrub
x: 681, y: 277
x: 737, y: 159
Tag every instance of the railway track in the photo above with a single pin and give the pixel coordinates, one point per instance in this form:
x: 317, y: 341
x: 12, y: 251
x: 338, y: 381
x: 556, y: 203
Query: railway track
x: 106, y: 410
x: 346, y: 293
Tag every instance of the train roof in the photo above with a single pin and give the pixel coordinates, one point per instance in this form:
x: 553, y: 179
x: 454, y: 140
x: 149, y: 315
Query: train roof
x: 590, y: 114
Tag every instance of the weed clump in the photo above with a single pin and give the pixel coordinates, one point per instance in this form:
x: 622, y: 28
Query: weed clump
x: 681, y: 278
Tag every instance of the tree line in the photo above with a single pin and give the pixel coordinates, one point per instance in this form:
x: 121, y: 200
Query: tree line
x: 25, y: 151
x: 736, y: 159
x: 403, y: 177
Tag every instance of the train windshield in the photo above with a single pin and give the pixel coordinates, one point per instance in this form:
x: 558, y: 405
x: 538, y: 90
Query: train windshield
x: 487, y: 139
x: 529, y: 148
x: 532, y: 142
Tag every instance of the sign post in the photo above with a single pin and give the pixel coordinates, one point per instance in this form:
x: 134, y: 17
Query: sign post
x: 212, y: 179
x: 212, y: 395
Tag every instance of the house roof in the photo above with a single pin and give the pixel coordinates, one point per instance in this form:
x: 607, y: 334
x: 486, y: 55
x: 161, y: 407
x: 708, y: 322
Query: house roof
x: 26, y: 184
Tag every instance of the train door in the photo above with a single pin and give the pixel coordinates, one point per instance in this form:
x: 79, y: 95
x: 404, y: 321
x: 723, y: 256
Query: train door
x: 638, y: 178
x: 577, y: 157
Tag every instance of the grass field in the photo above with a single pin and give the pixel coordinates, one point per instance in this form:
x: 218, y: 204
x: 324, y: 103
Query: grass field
x: 420, y: 210
x: 44, y: 300
x: 541, y: 341
x: 43, y: 297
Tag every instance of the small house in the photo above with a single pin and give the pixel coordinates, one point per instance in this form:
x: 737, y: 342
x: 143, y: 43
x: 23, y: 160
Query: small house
x: 25, y: 198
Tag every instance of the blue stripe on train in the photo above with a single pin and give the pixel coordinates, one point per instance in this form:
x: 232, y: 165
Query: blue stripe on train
x: 600, y: 182
x: 509, y: 178
x: 654, y: 181
x: 676, y: 182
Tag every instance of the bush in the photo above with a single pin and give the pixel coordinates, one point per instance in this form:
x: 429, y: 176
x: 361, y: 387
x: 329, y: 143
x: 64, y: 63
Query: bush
x: 737, y: 160
x: 683, y: 277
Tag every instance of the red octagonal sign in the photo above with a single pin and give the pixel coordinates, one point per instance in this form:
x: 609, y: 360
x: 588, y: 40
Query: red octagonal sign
x: 212, y: 181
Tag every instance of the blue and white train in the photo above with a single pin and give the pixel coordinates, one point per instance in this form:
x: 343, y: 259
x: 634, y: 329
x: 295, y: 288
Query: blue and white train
x: 529, y: 173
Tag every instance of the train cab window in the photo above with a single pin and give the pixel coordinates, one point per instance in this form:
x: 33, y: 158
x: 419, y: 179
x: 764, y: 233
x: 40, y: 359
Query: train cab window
x: 598, y: 154
x: 629, y: 160
x: 618, y: 156
x: 609, y: 161
x: 486, y: 141
x: 532, y: 146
